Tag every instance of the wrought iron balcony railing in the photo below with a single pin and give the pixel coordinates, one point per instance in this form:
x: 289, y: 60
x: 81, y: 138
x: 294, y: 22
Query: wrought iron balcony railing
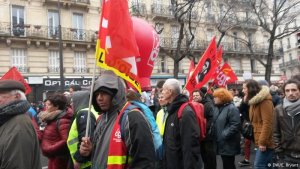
x: 139, y: 9
x: 161, y: 10
x: 46, y: 32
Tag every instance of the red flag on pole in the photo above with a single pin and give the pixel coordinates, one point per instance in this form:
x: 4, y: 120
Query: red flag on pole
x: 191, y: 69
x: 225, y: 75
x: 204, y: 69
x: 14, y: 74
x: 116, y: 45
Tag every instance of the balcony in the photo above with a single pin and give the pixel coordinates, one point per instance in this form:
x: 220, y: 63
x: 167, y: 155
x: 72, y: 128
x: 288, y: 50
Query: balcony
x: 160, y: 11
x: 69, y: 3
x: 22, y: 69
x: 80, y: 70
x: 138, y: 9
x: 53, y: 69
x: 46, y: 32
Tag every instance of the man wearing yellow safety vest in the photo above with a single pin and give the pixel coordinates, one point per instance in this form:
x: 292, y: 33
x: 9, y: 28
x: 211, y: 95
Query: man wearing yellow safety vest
x: 80, y: 103
x: 108, y: 149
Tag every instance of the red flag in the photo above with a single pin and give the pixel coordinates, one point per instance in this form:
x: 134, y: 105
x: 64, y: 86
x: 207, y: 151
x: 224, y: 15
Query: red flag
x: 116, y: 41
x: 14, y: 74
x: 218, y: 63
x: 191, y: 69
x: 225, y: 75
x: 204, y: 69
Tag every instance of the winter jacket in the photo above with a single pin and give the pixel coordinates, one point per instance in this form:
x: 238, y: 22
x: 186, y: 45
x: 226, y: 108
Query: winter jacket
x: 261, y: 114
x: 138, y: 137
x: 227, y: 129
x: 208, y: 113
x: 181, y: 138
x: 287, y: 129
x: 54, y: 140
x: 276, y: 99
x: 18, y: 140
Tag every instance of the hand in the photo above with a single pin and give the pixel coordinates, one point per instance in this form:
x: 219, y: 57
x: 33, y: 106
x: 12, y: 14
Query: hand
x: 85, y: 146
x: 76, y: 165
x: 262, y: 148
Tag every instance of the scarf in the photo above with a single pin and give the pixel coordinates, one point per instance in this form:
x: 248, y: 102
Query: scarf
x: 292, y: 108
x: 46, y: 116
x: 12, y: 109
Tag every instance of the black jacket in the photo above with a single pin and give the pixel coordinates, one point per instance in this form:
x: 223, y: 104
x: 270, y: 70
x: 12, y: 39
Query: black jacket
x: 181, y: 138
x: 208, y: 113
x: 227, y: 131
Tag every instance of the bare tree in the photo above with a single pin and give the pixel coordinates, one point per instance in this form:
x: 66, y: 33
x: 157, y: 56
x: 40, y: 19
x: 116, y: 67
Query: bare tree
x: 183, y: 12
x: 271, y: 15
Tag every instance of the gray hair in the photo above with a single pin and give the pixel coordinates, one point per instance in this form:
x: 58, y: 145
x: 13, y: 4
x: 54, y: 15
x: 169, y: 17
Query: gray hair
x: 22, y: 94
x: 174, y: 85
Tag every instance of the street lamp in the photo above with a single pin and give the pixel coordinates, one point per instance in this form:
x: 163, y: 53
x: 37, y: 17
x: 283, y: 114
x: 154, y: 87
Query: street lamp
x: 61, y: 60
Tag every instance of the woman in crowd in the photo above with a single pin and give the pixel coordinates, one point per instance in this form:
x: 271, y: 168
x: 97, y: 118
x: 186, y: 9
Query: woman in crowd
x: 57, y: 117
x: 261, y: 116
x: 227, y: 127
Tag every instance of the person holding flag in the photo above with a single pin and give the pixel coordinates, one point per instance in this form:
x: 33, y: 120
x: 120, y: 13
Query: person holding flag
x: 110, y: 149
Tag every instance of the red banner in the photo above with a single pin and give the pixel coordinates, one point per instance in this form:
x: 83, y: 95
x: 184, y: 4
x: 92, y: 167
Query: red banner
x: 204, y: 69
x: 14, y: 74
x: 117, y: 42
x: 191, y: 70
x: 225, y: 75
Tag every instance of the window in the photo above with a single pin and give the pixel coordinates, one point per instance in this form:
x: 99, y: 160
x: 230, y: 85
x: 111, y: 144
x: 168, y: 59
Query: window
x: 290, y: 57
x: 54, y: 63
x: 19, y: 59
x: 17, y: 19
x: 163, y: 64
x: 53, y: 24
x: 159, y: 27
x: 209, y: 35
x: 175, y: 35
x: 288, y: 43
x: 80, y: 62
x: 78, y: 33
x: 235, y: 41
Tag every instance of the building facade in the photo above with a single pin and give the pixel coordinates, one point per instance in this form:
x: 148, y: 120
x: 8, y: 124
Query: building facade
x: 290, y: 62
x: 29, y: 40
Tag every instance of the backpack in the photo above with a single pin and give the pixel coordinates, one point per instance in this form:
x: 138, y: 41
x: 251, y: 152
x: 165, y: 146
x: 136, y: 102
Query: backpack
x: 157, y: 140
x: 199, y: 113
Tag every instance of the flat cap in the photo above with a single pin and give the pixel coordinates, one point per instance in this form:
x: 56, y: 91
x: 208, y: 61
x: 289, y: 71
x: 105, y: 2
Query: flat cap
x: 8, y: 85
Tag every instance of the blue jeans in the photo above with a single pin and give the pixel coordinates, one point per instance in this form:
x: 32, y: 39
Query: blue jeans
x: 263, y: 160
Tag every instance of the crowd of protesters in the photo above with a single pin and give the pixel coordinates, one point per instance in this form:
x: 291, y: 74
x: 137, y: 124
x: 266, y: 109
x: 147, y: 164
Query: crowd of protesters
x: 116, y: 134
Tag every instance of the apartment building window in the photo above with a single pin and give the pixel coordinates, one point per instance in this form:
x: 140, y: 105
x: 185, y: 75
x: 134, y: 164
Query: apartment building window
x: 209, y: 34
x: 235, y: 41
x: 163, y: 64
x: 17, y: 19
x: 78, y: 33
x: 288, y: 43
x: 290, y: 57
x: 159, y: 27
x: 80, y: 62
x: 53, y: 24
x: 19, y: 59
x: 53, y: 65
x: 175, y: 35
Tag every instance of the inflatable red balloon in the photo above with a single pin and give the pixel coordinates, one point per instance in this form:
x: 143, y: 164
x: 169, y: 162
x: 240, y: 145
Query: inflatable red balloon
x: 148, y: 44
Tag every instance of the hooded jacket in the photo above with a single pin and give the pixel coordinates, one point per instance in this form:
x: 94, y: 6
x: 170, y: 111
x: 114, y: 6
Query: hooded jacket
x: 138, y: 137
x: 18, y: 138
x: 261, y: 115
x: 181, y: 138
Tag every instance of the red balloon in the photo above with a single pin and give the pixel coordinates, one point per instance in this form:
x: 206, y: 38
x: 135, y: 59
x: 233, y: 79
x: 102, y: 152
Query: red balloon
x: 148, y: 44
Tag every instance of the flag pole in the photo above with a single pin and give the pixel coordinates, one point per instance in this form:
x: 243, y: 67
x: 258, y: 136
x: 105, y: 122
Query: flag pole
x: 91, y: 93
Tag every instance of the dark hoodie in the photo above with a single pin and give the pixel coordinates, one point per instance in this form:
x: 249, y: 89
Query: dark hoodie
x: 139, y: 142
x: 181, y: 138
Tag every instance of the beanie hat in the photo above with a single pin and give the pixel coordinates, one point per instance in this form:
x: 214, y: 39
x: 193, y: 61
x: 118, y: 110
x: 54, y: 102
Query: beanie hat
x: 263, y: 83
x: 9, y: 85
